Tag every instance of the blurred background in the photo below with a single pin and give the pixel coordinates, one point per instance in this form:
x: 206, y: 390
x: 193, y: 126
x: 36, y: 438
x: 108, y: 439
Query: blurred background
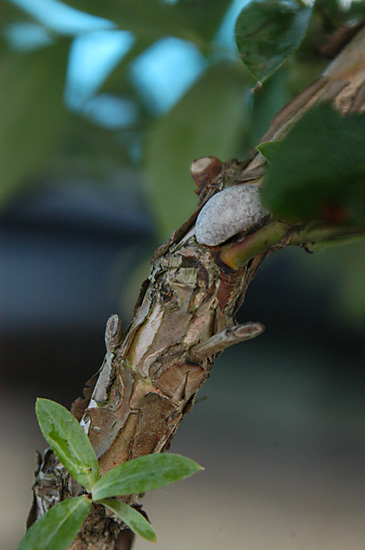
x: 103, y: 105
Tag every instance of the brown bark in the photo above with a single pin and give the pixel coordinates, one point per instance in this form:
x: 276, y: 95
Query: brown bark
x: 184, y: 317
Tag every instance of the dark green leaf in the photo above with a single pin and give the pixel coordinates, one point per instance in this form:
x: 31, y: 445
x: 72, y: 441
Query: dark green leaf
x: 269, y: 31
x: 211, y: 119
x: 267, y: 149
x: 58, y: 527
x: 135, y: 520
x: 69, y: 441
x: 144, y: 474
x: 31, y: 112
x: 318, y: 171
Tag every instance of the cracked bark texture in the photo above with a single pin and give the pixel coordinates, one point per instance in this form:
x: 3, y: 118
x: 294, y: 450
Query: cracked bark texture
x: 184, y: 317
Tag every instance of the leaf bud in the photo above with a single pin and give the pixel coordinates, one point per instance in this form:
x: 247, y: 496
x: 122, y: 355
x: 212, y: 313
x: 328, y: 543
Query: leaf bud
x: 204, y: 170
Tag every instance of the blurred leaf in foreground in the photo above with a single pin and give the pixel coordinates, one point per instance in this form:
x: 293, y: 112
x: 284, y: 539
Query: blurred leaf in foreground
x: 318, y: 170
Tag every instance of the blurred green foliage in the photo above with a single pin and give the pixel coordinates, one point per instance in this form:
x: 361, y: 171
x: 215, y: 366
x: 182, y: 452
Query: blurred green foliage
x: 317, y: 171
x: 31, y: 111
x: 216, y: 114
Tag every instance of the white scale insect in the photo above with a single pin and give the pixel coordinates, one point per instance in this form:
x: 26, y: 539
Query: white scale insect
x: 229, y: 212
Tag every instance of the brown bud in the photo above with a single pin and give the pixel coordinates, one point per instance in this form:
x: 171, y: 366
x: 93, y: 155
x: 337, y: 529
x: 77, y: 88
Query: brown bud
x: 204, y: 170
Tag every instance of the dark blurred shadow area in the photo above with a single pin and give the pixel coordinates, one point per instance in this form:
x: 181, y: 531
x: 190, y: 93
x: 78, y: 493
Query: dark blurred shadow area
x: 65, y: 251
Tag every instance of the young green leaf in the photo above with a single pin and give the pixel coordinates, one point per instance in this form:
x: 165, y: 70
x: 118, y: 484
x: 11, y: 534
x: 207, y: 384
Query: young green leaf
x: 58, y: 527
x: 144, y: 474
x: 267, y: 149
x: 69, y: 441
x: 318, y: 171
x: 269, y: 31
x: 135, y: 520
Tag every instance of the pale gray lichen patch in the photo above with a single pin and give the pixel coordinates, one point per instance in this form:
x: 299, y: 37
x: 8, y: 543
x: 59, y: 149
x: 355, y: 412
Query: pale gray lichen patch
x: 229, y: 212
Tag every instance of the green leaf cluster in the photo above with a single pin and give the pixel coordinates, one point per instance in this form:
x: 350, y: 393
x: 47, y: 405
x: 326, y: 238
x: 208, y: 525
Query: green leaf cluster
x: 60, y: 525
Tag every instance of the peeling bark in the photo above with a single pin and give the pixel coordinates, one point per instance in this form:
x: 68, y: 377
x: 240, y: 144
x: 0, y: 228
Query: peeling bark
x: 184, y: 317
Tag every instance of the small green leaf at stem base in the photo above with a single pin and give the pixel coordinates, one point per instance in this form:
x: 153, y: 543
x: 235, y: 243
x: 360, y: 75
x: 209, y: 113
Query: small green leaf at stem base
x: 69, y: 441
x: 268, y: 32
x: 132, y: 518
x: 143, y: 474
x: 58, y: 527
x: 267, y: 149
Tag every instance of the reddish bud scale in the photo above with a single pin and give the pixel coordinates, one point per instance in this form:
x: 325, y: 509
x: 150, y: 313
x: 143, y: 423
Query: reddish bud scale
x: 334, y: 213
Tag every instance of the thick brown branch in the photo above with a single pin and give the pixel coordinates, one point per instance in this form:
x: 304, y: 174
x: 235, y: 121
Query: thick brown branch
x: 185, y: 316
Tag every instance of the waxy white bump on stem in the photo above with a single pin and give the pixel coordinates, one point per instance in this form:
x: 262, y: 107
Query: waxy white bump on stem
x: 229, y: 212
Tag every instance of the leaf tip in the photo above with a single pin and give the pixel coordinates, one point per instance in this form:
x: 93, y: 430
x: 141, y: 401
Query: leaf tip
x: 39, y: 402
